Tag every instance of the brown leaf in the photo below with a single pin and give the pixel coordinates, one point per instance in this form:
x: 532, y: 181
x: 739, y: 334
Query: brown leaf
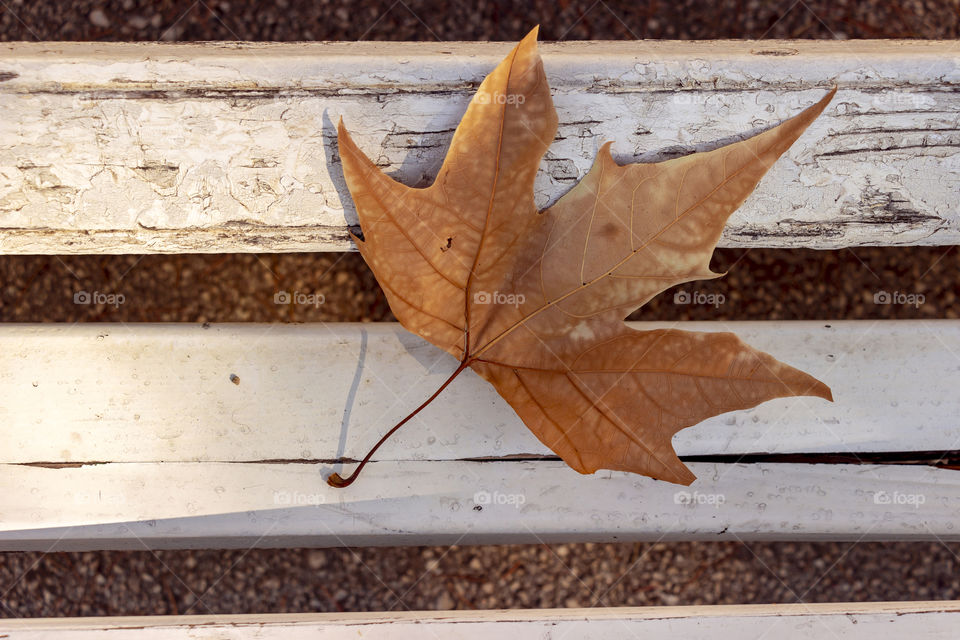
x: 534, y: 302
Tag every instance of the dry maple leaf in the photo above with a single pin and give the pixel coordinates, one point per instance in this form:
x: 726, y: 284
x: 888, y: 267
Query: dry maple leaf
x: 535, y: 302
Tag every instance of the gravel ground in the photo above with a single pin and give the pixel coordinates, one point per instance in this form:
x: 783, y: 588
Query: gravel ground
x: 484, y: 20
x: 762, y: 284
x: 523, y: 576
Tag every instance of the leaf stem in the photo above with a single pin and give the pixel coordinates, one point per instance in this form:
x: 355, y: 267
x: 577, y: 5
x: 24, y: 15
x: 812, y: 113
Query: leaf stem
x: 334, y: 480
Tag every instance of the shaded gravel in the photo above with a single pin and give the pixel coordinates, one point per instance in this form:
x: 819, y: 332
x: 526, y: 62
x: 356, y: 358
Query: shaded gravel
x: 285, y: 20
x: 762, y: 284
x: 524, y: 576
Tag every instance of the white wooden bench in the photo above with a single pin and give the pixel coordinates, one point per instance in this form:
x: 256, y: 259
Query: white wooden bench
x: 125, y: 436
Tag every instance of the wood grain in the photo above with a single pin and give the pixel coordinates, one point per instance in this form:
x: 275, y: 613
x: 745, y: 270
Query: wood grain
x: 242, y: 505
x: 322, y: 392
x: 856, y: 621
x: 228, y: 147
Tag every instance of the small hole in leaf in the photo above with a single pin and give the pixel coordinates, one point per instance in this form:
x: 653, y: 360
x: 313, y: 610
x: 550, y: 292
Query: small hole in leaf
x: 448, y: 245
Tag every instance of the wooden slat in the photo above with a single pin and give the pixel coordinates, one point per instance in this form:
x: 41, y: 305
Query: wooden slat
x: 229, y: 147
x: 255, y: 392
x: 168, y: 436
x: 240, y: 505
x: 852, y: 621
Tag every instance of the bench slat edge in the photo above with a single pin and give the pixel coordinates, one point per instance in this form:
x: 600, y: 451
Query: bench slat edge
x: 219, y: 505
x: 867, y: 621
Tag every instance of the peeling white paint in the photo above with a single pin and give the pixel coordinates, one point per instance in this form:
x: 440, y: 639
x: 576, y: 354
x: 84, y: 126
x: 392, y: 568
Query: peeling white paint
x: 237, y: 144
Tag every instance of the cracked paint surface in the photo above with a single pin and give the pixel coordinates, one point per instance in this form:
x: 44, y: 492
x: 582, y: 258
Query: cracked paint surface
x: 149, y: 148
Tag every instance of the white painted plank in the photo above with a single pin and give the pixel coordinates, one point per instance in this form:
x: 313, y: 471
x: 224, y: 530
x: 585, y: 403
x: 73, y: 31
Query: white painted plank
x: 229, y: 147
x: 222, y: 505
x: 147, y: 393
x: 852, y: 621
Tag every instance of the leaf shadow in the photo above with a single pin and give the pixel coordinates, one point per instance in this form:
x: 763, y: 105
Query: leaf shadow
x: 328, y: 132
x: 426, y: 151
x: 434, y: 362
x: 672, y: 152
x: 351, y: 398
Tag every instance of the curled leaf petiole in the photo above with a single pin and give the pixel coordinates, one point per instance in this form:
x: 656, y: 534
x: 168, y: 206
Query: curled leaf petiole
x: 335, y: 480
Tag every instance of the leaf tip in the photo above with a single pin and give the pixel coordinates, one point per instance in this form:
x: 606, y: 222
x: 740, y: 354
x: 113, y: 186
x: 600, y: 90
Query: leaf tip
x: 823, y: 391
x: 815, y: 110
x: 815, y: 389
x: 342, y: 134
x: 529, y: 41
x: 827, y: 98
x: 605, y: 155
x: 356, y: 234
x: 681, y: 475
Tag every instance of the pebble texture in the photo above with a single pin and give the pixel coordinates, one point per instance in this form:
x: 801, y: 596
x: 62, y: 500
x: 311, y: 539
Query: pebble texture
x: 762, y: 284
x: 393, y: 578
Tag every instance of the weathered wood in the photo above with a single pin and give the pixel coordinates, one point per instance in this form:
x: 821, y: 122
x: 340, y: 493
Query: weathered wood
x: 853, y: 621
x: 256, y: 392
x: 200, y: 436
x: 241, y: 505
x: 224, y: 147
